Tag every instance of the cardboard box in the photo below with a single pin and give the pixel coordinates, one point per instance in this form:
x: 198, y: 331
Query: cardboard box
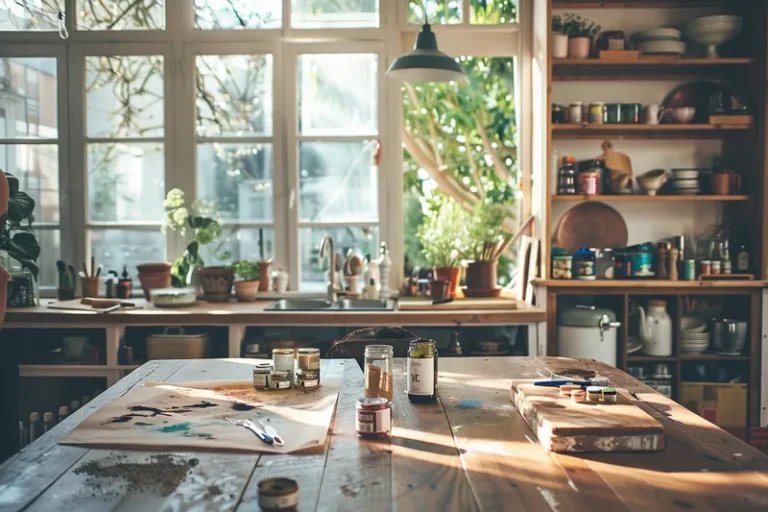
x: 723, y: 404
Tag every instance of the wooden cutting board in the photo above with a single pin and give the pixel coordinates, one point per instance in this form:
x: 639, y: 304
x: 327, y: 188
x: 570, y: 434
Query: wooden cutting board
x: 567, y: 427
x: 591, y: 224
x: 419, y: 304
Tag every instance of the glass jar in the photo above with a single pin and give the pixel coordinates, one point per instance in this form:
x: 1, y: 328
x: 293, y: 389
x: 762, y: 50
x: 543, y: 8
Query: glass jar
x: 308, y: 359
x: 575, y: 112
x: 373, y: 417
x: 279, y: 380
x: 566, y: 177
x: 421, y: 384
x: 630, y: 113
x: 378, y: 372
x: 307, y: 368
x: 596, y: 112
x: 283, y: 359
x: 261, y: 376
x: 584, y: 261
x: 559, y: 114
x: 612, y: 113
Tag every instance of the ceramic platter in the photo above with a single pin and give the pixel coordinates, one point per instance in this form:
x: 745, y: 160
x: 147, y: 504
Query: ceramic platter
x: 663, y: 47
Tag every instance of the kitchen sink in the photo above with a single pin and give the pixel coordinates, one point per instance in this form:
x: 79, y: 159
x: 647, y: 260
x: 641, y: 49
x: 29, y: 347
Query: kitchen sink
x: 324, y: 305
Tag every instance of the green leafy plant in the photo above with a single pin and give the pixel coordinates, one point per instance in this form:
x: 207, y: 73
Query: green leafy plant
x: 485, y: 231
x: 16, y: 236
x: 557, y: 25
x: 576, y: 26
x: 193, y: 220
x: 247, y: 270
x: 442, y: 233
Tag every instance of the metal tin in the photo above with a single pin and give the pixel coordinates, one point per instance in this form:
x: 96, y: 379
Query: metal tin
x: 567, y: 389
x: 373, y: 417
x: 612, y: 113
x: 610, y: 395
x: 630, y: 113
x: 261, y: 376
x: 715, y: 268
x: 278, y: 494
x: 279, y: 380
x: 589, y: 183
x: 689, y: 270
x: 596, y: 112
x: 574, y: 112
x: 594, y: 393
x: 706, y: 267
x: 604, y: 263
x: 579, y: 396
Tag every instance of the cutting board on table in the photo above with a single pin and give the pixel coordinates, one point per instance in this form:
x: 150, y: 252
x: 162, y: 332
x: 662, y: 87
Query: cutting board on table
x: 567, y: 427
x: 425, y: 304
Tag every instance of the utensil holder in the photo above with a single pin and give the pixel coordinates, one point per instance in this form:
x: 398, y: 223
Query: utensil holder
x: 65, y: 293
x: 90, y: 286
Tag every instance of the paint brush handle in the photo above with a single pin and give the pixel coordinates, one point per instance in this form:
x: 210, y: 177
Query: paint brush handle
x: 558, y: 383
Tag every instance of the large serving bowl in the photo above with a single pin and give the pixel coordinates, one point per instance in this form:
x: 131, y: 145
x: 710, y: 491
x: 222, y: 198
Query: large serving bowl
x: 711, y: 31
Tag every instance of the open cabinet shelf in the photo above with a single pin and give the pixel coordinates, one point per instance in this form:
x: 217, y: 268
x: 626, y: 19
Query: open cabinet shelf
x: 651, y: 199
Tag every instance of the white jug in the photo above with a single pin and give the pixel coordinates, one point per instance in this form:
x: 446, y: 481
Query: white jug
x: 656, y: 329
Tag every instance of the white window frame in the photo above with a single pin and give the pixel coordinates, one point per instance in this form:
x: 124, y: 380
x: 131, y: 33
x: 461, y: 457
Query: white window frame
x: 178, y: 44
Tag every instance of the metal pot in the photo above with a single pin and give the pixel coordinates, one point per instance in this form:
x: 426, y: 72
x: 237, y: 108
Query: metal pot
x: 587, y: 331
x: 728, y: 336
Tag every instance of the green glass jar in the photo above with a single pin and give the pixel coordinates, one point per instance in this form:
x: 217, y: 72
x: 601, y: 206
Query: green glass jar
x: 422, y: 371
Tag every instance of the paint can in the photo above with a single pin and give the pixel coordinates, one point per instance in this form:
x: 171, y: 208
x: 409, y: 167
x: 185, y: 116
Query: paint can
x: 278, y: 494
x: 373, y: 417
x: 261, y: 376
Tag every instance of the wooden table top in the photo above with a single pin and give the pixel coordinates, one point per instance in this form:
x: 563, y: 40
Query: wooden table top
x: 470, y: 451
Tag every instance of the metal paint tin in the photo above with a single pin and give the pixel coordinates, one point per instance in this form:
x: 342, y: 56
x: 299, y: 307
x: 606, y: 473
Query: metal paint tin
x: 278, y: 494
x: 596, y: 113
x: 610, y: 395
x: 279, y: 380
x: 261, y: 376
x: 689, y: 268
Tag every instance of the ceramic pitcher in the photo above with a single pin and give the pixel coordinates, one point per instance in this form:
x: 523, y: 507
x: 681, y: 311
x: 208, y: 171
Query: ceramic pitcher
x: 656, y: 329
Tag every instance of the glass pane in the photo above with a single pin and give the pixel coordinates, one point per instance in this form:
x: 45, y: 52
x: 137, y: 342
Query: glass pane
x: 114, y: 248
x: 37, y: 168
x: 313, y: 270
x: 120, y: 14
x: 238, y: 178
x: 338, y: 181
x: 493, y: 12
x: 28, y: 98
x: 334, y: 14
x: 126, y: 182
x: 234, y: 95
x: 238, y: 14
x: 29, y: 15
x: 50, y: 251
x: 338, y: 94
x: 241, y: 244
x: 439, y: 12
x: 124, y: 96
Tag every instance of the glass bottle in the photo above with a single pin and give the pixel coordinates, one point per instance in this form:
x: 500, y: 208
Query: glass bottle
x: 378, y: 372
x: 421, y: 385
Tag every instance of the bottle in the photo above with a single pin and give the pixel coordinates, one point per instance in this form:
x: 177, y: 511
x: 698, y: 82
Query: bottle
x: 566, y: 177
x: 742, y: 260
x: 110, y: 291
x: 421, y: 366
x: 35, y: 426
x: 124, y: 285
x: 385, y: 264
x: 49, y: 421
x: 370, y: 291
x: 454, y: 347
x: 63, y: 413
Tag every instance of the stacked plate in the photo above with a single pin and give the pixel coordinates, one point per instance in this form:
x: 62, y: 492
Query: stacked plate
x: 693, y: 338
x: 686, y: 181
x: 660, y: 41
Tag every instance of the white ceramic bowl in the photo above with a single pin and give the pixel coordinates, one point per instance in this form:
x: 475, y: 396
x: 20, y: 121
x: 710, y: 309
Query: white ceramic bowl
x: 694, y: 183
x: 682, y: 115
x: 687, y: 191
x: 692, y: 324
x: 711, y: 31
x: 693, y: 351
x: 658, y: 34
x: 685, y: 174
x: 662, y: 47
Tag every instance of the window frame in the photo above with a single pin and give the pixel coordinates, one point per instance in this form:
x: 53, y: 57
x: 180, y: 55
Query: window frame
x: 180, y: 42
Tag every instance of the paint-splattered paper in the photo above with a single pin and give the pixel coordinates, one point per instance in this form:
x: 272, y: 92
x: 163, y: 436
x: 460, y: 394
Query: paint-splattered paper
x: 190, y: 416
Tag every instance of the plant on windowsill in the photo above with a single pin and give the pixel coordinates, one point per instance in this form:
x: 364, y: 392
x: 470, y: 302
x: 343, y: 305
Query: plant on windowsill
x: 580, y: 32
x: 559, y: 39
x: 441, y: 236
x: 195, y: 221
x: 247, y: 287
x: 486, y: 238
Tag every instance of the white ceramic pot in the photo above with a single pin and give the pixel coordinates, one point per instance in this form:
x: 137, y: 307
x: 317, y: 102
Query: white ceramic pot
x: 247, y: 291
x: 589, y: 332
x: 656, y: 329
x: 280, y: 281
x: 559, y: 46
x: 578, y: 47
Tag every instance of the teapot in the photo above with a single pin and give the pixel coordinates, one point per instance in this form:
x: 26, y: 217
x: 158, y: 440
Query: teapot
x: 656, y: 329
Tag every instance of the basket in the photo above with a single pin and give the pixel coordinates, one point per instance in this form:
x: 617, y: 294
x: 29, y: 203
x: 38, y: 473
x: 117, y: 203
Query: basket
x: 175, y: 344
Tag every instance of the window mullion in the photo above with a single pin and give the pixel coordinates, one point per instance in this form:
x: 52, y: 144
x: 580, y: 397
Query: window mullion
x: 287, y: 225
x: 76, y: 203
x: 465, y: 17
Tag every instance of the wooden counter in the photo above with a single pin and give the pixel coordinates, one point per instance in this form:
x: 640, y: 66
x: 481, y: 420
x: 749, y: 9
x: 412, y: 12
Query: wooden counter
x: 470, y: 451
x: 253, y: 313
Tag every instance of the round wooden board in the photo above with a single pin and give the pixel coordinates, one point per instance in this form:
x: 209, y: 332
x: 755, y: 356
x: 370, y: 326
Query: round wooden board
x: 591, y: 224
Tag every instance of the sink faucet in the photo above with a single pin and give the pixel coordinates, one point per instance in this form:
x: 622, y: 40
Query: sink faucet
x: 328, y: 246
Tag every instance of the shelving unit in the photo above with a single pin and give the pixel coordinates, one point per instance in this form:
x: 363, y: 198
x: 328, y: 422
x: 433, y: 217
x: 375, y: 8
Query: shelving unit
x: 743, y: 65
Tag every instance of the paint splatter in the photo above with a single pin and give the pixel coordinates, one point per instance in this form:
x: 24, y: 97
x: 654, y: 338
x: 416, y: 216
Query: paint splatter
x: 176, y: 427
x: 469, y: 404
x: 154, y: 410
x: 197, y: 434
x: 125, y: 418
x: 239, y: 406
x: 142, y: 424
x: 201, y: 405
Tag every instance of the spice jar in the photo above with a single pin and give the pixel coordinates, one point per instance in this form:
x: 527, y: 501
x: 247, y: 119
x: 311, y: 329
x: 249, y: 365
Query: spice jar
x: 562, y: 266
x: 373, y: 417
x: 422, y: 371
x: 574, y: 112
x: 307, y: 368
x: 378, y: 372
x: 594, y: 393
x: 604, y: 263
x: 589, y: 183
x: 279, y: 380
x: 585, y: 264
x: 596, y: 113
x: 283, y: 359
x: 612, y: 113
x: 559, y: 114
x: 630, y: 113
x: 566, y: 177
x: 610, y: 395
x: 261, y: 376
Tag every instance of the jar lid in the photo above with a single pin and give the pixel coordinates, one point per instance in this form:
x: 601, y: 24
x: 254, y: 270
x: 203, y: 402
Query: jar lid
x: 372, y: 403
x: 596, y: 389
x: 574, y: 103
x: 283, y: 351
x: 379, y: 349
x: 657, y: 302
x: 309, y: 351
x: 585, y: 317
x: 279, y: 375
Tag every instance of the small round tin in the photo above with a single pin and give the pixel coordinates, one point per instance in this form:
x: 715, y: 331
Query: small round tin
x: 579, y: 396
x: 279, y: 380
x: 278, y: 494
x: 261, y: 376
x: 567, y: 389
x: 610, y: 395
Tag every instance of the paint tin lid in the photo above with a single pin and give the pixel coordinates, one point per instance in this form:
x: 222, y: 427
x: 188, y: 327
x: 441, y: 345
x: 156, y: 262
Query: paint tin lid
x: 278, y: 494
x: 596, y: 389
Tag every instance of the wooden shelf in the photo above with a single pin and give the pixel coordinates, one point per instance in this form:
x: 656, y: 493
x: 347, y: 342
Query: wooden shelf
x: 649, y: 283
x: 644, y: 130
x: 637, y: 198
x: 647, y: 68
x: 664, y: 62
x: 631, y: 358
x: 636, y: 4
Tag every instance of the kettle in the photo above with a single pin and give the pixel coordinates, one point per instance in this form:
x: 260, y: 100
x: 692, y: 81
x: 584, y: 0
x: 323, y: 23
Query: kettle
x: 588, y: 332
x: 656, y: 329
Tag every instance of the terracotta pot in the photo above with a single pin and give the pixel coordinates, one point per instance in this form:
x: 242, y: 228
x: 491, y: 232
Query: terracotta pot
x: 247, y: 291
x: 579, y: 47
x: 264, y: 277
x: 450, y: 274
x: 217, y: 283
x: 153, y: 276
x: 559, y: 46
x: 482, y: 275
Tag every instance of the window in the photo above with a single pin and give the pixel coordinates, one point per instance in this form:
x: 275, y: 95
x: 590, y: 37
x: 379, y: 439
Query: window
x: 275, y: 115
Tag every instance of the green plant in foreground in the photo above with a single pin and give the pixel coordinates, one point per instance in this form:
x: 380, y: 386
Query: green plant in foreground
x: 16, y: 237
x: 442, y: 233
x: 485, y: 227
x: 247, y: 270
x: 576, y: 26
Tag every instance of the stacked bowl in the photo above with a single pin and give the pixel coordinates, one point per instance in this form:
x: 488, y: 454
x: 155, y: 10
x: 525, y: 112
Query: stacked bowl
x: 693, y: 336
x: 686, y: 181
x: 660, y: 41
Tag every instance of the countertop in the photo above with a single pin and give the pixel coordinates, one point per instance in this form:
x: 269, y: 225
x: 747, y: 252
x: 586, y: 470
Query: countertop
x: 253, y: 313
x: 469, y: 451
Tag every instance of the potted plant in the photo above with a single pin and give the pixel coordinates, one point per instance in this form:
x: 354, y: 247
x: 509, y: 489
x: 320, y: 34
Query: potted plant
x: 580, y: 32
x: 485, y: 241
x: 195, y: 220
x: 153, y: 276
x: 247, y: 287
x: 559, y: 39
x: 441, y: 236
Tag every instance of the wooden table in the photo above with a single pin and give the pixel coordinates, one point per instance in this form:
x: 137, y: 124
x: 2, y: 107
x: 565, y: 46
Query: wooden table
x: 470, y: 451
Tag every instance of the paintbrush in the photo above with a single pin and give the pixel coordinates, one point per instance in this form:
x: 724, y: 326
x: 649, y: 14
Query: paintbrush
x: 93, y: 267
x: 61, y: 267
x: 596, y: 381
x: 71, y: 276
x: 85, y: 271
